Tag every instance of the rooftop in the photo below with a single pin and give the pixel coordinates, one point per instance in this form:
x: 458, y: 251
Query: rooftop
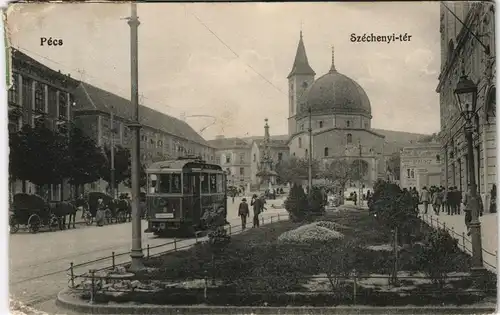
x: 89, y: 97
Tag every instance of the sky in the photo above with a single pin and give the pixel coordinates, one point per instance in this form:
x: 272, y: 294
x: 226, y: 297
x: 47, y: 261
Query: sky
x: 230, y: 61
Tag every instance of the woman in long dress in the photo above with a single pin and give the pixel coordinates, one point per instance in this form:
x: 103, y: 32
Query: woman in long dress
x: 101, y: 208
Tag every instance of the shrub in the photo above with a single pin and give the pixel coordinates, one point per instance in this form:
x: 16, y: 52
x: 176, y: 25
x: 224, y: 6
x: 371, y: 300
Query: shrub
x: 394, y: 208
x: 438, y: 256
x: 309, y: 233
x: 316, y: 201
x: 296, y: 204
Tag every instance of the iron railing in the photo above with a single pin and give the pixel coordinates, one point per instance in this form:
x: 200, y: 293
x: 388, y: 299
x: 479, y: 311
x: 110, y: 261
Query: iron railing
x: 464, y: 242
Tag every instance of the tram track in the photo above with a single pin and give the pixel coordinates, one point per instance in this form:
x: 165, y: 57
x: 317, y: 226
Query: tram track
x: 32, y: 287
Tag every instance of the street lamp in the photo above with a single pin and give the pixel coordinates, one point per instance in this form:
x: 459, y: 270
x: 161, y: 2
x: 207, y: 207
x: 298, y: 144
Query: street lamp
x: 466, y: 94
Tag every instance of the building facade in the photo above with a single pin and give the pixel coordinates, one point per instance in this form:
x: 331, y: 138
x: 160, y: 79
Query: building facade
x: 462, y: 51
x: 233, y: 155
x: 38, y: 95
x: 162, y: 136
x: 420, y: 165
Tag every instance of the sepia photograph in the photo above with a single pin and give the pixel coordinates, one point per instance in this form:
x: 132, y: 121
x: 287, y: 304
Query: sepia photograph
x: 251, y: 158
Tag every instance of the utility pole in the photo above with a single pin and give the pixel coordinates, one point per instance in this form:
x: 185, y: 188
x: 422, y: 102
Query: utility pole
x: 112, y: 176
x: 136, y: 254
x: 310, y: 151
x: 360, y: 169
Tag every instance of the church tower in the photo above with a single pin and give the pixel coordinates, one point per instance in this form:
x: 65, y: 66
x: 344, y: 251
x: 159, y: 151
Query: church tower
x: 299, y: 79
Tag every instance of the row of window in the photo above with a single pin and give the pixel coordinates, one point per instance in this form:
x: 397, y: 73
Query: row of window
x: 242, y: 158
x: 320, y: 125
x: 44, y: 95
x: 348, y: 140
x: 280, y: 157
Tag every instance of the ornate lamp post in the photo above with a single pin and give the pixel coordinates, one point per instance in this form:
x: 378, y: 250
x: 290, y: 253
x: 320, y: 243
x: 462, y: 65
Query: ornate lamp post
x: 466, y: 94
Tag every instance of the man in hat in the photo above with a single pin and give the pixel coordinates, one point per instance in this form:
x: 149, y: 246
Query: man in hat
x: 243, y: 213
x: 258, y: 207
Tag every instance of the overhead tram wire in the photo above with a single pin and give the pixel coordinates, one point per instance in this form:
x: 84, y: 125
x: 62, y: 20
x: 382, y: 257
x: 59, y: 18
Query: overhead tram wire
x: 234, y: 52
x: 91, y: 76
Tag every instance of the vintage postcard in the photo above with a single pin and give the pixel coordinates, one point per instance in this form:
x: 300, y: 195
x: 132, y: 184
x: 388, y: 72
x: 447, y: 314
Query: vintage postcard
x: 252, y: 158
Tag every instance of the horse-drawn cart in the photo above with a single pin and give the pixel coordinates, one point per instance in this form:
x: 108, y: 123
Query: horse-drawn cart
x: 117, y: 210
x: 33, y: 212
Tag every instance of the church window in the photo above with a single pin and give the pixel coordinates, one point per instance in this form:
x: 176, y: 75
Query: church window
x: 300, y: 142
x: 254, y: 157
x: 291, y: 87
x: 242, y: 171
x: 228, y: 159
x: 321, y: 124
x: 349, y: 138
x: 280, y: 156
x: 304, y: 85
x: 366, y: 125
x: 302, y: 127
x: 326, y: 151
x: 40, y: 97
x: 307, y: 153
x: 348, y: 124
x: 293, y: 153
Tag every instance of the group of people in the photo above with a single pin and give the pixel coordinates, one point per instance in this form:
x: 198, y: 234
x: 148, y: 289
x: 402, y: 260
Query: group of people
x: 442, y: 199
x: 258, y: 204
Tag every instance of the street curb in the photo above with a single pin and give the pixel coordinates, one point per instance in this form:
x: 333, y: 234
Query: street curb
x: 64, y: 300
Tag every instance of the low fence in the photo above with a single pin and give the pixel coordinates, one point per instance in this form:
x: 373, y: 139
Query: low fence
x: 352, y: 288
x: 464, y: 242
x: 111, y: 261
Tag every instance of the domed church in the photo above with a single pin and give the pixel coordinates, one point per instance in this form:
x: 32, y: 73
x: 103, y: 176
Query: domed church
x: 340, y: 117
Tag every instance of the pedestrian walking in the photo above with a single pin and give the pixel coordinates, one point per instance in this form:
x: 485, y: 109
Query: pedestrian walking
x: 425, y: 198
x: 493, y: 199
x: 258, y: 207
x: 467, y: 209
x: 355, y: 198
x: 243, y: 213
x: 437, y: 200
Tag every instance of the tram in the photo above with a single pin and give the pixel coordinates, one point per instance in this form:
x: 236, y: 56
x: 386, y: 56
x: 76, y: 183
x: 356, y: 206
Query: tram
x: 180, y: 191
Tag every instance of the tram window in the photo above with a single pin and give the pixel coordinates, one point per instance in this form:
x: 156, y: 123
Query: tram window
x: 204, y: 183
x: 213, y: 183
x: 187, y: 184
x: 176, y: 183
x: 165, y: 183
x: 220, y: 183
x: 152, y: 184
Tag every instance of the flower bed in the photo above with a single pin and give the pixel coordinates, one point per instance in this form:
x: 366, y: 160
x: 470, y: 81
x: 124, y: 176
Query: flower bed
x: 259, y: 268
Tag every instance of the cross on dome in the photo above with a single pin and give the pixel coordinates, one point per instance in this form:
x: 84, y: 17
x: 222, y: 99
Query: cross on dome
x: 332, y: 69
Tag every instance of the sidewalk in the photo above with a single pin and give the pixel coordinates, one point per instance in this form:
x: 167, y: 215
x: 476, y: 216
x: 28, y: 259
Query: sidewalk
x: 455, y: 224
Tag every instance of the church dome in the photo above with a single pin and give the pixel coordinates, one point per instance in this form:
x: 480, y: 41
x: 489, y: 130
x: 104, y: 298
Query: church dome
x: 335, y: 93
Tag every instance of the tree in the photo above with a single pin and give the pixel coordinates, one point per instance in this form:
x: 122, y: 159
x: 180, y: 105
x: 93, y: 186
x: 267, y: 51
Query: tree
x: 394, y: 165
x: 295, y: 169
x: 358, y: 169
x: 38, y: 155
x: 122, y: 165
x: 86, y: 159
x: 338, y: 171
x: 142, y: 177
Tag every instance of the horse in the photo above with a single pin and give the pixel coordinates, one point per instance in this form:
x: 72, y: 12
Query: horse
x: 123, y: 204
x: 63, y: 208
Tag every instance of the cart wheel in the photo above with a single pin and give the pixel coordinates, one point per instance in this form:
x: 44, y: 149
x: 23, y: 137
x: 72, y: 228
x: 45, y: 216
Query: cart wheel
x: 13, y: 225
x: 121, y: 217
x: 108, y: 216
x: 53, y: 223
x: 34, y: 223
x: 88, y: 218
